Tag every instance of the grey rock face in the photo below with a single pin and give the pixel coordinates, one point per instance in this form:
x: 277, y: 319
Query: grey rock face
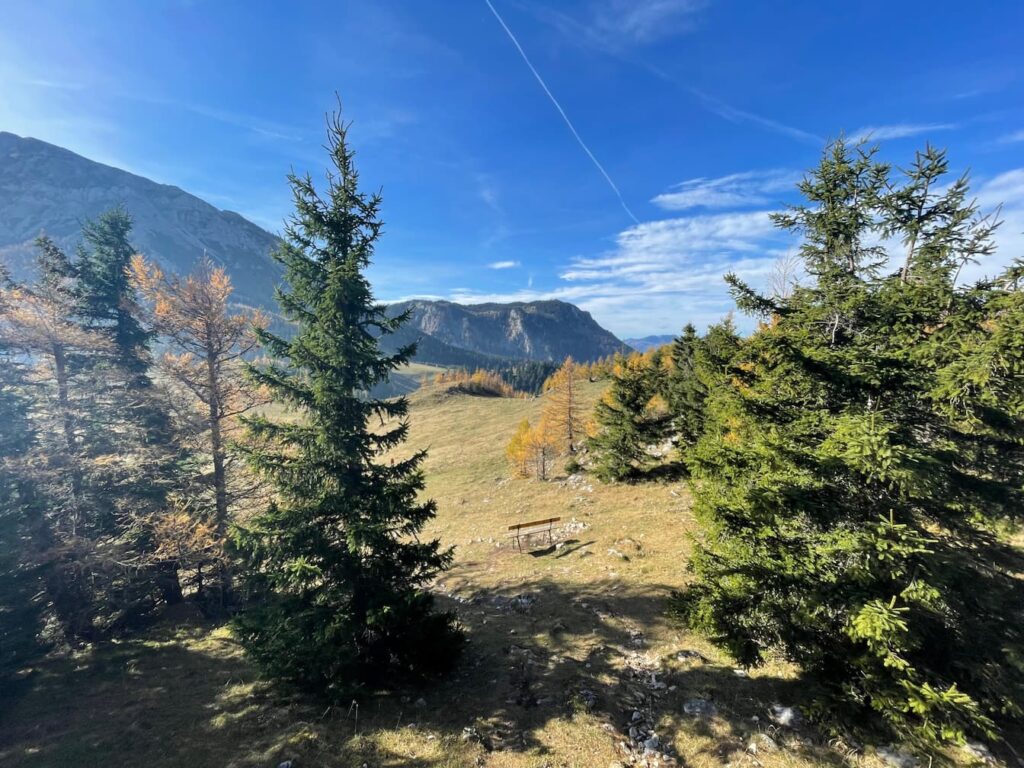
x: 536, y: 330
x: 44, y: 188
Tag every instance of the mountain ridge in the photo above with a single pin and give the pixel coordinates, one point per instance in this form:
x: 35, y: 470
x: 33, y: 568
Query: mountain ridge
x: 547, y: 330
x: 51, y: 189
x: 48, y: 188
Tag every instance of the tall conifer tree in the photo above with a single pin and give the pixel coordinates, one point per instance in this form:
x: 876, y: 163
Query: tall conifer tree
x: 859, y: 456
x: 106, y: 294
x: 625, y: 424
x: 685, y: 391
x: 336, y: 569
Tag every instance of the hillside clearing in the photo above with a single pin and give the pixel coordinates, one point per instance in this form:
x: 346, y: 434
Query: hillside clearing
x: 566, y: 643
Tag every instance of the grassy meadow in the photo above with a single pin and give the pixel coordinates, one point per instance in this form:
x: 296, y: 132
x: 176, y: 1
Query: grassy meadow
x: 566, y: 642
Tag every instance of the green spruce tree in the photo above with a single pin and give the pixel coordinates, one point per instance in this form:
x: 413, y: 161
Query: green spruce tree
x: 626, y: 427
x: 685, y: 392
x: 131, y: 419
x: 106, y: 296
x: 859, y: 459
x: 336, y: 569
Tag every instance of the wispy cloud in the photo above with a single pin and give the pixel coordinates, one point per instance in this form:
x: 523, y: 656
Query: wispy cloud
x: 737, y: 115
x: 653, y: 250
x: 618, y: 26
x: 1004, y: 192
x: 897, y: 131
x: 639, y: 22
x: 661, y: 274
x: 503, y: 265
x: 1012, y: 138
x: 737, y: 190
x: 591, y: 35
x: 487, y: 191
x: 558, y: 106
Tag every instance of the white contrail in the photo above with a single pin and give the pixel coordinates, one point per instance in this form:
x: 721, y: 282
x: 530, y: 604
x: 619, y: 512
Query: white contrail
x: 561, y: 111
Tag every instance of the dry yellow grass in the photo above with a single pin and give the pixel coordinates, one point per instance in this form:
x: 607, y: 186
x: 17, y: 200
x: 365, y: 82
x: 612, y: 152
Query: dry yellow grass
x: 564, y: 641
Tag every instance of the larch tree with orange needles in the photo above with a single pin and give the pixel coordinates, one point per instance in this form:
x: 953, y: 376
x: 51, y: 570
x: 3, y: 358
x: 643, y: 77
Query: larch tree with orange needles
x: 208, y: 340
x: 518, y: 449
x: 563, y: 411
x: 543, y: 444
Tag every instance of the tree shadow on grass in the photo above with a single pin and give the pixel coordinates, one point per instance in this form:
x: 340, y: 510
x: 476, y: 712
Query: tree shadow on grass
x: 543, y: 651
x: 559, y: 549
x: 539, y: 653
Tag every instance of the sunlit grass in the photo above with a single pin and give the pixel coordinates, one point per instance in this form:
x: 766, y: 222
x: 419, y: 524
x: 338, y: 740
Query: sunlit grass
x: 188, y: 697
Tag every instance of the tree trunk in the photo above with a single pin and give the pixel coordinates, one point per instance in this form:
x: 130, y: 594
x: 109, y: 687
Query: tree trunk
x: 220, y: 491
x: 60, y: 369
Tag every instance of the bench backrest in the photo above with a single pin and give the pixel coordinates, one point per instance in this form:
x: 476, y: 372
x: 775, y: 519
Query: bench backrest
x: 548, y: 521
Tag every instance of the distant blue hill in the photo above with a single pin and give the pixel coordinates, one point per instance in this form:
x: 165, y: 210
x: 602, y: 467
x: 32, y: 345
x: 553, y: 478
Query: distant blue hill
x: 649, y: 342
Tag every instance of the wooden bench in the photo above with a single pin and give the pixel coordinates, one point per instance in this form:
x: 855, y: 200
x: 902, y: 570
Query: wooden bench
x: 521, y: 530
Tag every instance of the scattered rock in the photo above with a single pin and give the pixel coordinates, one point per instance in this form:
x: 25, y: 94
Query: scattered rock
x: 652, y: 743
x: 741, y: 673
x: 637, y: 716
x: 286, y: 764
x: 787, y: 717
x: 897, y: 758
x: 523, y: 603
x: 421, y: 703
x: 688, y: 655
x: 700, y: 708
x: 762, y: 742
x: 979, y: 752
x: 589, y: 699
x: 615, y: 553
x: 579, y: 483
x: 574, y: 526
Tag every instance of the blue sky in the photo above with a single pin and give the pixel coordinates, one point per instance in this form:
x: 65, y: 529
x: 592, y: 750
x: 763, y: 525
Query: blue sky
x: 667, y: 130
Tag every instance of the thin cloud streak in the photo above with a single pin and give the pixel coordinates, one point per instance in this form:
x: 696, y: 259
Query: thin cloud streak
x: 561, y: 111
x: 639, y: 22
x: 736, y: 190
x: 736, y: 115
x: 586, y: 36
x: 896, y: 131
